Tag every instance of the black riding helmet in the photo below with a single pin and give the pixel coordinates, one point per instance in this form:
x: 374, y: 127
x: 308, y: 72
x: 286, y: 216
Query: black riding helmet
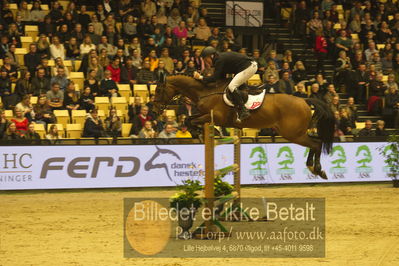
x: 207, y: 51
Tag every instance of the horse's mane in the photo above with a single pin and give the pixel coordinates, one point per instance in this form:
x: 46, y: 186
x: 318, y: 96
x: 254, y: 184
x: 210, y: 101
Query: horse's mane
x: 203, y: 85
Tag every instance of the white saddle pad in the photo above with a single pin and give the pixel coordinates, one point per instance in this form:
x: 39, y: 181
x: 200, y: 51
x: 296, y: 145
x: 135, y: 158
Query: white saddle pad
x: 254, y: 101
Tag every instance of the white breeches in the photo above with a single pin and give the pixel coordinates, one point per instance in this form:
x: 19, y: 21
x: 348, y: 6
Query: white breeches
x: 243, y: 76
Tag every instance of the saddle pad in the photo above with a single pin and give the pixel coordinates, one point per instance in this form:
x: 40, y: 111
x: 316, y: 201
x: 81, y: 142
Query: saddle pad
x: 253, y: 103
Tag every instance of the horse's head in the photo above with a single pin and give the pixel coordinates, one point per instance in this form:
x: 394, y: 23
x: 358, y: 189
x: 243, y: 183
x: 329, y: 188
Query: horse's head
x: 164, y: 94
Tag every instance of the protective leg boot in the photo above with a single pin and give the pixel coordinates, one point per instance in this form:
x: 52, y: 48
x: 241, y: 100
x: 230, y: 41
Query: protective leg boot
x: 242, y: 111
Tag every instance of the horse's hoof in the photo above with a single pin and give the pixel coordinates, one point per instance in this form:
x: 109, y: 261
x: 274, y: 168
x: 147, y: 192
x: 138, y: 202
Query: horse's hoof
x: 311, y: 169
x: 323, y: 175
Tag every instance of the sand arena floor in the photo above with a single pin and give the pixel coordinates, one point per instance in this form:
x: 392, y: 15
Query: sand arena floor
x: 85, y: 227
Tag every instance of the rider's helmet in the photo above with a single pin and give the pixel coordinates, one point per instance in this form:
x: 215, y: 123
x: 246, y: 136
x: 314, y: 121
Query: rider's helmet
x: 208, y: 51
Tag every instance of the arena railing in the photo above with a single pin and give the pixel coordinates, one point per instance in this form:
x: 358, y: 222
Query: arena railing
x: 171, y: 141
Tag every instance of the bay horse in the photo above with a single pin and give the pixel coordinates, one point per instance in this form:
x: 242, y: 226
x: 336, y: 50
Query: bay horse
x: 290, y: 116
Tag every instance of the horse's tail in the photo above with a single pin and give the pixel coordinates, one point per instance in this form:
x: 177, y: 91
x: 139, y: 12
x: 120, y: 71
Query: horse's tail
x: 325, y: 119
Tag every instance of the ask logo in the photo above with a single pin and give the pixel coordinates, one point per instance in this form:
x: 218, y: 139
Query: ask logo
x: 338, y: 161
x: 169, y: 161
x: 287, y: 159
x: 363, y: 159
x: 259, y: 157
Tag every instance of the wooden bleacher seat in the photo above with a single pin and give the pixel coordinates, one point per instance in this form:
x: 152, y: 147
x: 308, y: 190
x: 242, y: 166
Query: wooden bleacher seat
x: 250, y: 132
x: 77, y: 78
x: 33, y: 100
x: 73, y: 131
x: 9, y: 114
x: 360, y: 125
x: 101, y: 114
x: 255, y: 80
x: 51, y: 62
x: 26, y: 41
x: 79, y: 116
x: 120, y: 103
x: 62, y: 117
x: 13, y: 8
x: 20, y: 52
x: 153, y: 87
x: 125, y: 91
x: 126, y: 127
x: 102, y: 103
x: 141, y: 90
x: 68, y: 64
x: 39, y: 128
x: 171, y: 112
x: 64, y: 4
x: 76, y: 65
x: 32, y: 31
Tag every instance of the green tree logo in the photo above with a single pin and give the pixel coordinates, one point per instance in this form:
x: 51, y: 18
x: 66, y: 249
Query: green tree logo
x: 341, y: 156
x: 365, y: 156
x: 261, y: 157
x: 286, y: 154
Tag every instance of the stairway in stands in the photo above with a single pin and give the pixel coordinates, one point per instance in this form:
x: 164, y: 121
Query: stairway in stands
x: 286, y: 41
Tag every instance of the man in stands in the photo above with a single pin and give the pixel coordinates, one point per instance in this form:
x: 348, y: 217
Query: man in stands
x: 32, y: 59
x: 55, y: 97
x: 40, y: 84
x: 367, y: 131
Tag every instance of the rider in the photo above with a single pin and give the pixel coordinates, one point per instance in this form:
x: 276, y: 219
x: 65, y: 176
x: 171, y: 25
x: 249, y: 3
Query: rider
x: 230, y: 63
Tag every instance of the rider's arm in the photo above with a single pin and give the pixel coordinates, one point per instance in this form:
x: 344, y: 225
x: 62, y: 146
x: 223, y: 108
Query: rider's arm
x: 218, y: 74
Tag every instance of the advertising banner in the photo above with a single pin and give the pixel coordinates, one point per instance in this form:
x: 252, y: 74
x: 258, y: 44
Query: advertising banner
x: 62, y: 167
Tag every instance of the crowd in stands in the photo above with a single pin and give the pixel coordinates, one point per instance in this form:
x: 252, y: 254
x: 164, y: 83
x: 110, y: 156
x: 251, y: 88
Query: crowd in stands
x: 130, y: 42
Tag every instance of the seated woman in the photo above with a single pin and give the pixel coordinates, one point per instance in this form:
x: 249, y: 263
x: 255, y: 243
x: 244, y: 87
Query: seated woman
x: 93, y: 127
x: 12, y: 133
x: 43, y: 113
x: 20, y: 121
x: 26, y: 106
x: 10, y: 69
x: 147, y: 132
x: 113, y: 124
x: 86, y: 101
x: 53, y: 133
x: 24, y: 85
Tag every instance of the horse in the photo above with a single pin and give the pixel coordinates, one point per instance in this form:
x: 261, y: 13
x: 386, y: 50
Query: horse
x: 290, y: 116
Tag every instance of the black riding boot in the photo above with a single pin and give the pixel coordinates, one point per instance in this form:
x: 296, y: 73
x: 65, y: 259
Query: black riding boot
x: 242, y: 111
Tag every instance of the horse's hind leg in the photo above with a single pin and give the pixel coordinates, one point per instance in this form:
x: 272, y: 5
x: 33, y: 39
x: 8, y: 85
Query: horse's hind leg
x: 313, y: 160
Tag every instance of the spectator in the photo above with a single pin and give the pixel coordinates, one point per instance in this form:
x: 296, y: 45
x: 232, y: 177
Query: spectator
x: 120, y: 45
x: 377, y: 89
x: 272, y: 85
x: 86, y: 100
x: 384, y: 33
x: 315, y: 92
x: 391, y: 108
x: 330, y: 94
x: 26, y: 107
x: 139, y: 120
x: 9, y: 69
x: 168, y: 132
x: 161, y: 15
x: 387, y: 63
x: 115, y: 70
x: 32, y: 59
x: 158, y: 37
x: 55, y: 97
x: 391, y: 83
x: 129, y: 27
x: 334, y: 105
x: 83, y: 18
x: 59, y: 63
x: 148, y: 8
x: 4, y: 46
x: 31, y: 133
x: 179, y: 69
x: 98, y: 26
x: 11, y: 133
x: 204, y: 14
x: 93, y: 127
x: 13, y: 57
x: 53, y: 133
x: 36, y: 13
x: 362, y: 80
x: 92, y: 82
x: 183, y: 132
x: 345, y: 125
x: 168, y: 61
x: 343, y: 43
x: 47, y: 27
x: 300, y: 91
x: 4, y: 123
x: 343, y: 68
x: 302, y: 16
x: 20, y: 121
x: 110, y: 49
x: 60, y: 78
x: 43, y: 46
x: 370, y: 51
x: 174, y: 18
x: 314, y: 25
x: 108, y: 86
x: 24, y: 12
x: 113, y: 124
x: 111, y: 34
x: 129, y: 73
x: 64, y: 34
x: 56, y: 13
x: 71, y: 97
x: 57, y: 49
x: 321, y: 49
x: 380, y: 128
x: 135, y: 108
x: 190, y: 69
x: 270, y: 70
x: 86, y: 46
x: 8, y: 98
x: 367, y: 131
x: 299, y: 74
x: 103, y: 59
x: 202, y: 31
x: 104, y: 8
x: 43, y: 113
x: 258, y: 58
x: 285, y: 84
x: 137, y: 61
x: 40, y: 84
x: 356, y: 24
x: 145, y: 75
x: 24, y: 85
x: 351, y: 109
x: 147, y: 132
x: 143, y: 28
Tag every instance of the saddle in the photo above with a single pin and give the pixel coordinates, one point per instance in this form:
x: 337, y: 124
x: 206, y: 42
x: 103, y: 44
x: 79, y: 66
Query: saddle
x: 253, y: 96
